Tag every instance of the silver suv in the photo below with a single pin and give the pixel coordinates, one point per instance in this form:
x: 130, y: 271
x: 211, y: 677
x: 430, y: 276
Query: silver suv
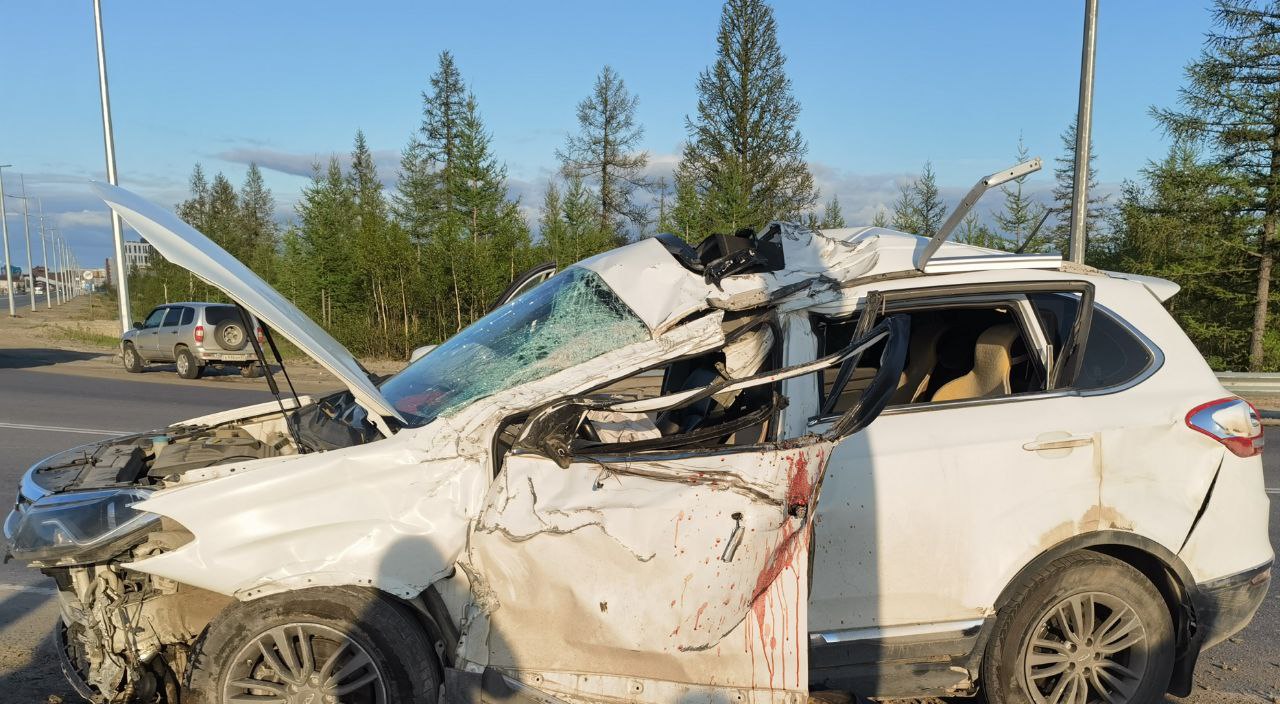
x: 193, y: 336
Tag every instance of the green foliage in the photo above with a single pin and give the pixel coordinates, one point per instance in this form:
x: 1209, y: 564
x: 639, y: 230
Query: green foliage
x: 919, y: 209
x: 832, y: 218
x: 1057, y: 238
x: 1019, y: 213
x: 1229, y: 105
x: 604, y: 153
x: 974, y: 232
x: 744, y: 161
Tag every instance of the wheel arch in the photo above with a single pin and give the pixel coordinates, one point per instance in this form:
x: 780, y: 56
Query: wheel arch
x: 1157, y: 563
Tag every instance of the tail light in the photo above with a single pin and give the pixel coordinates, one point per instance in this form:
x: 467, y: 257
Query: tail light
x: 261, y: 339
x: 199, y: 333
x: 1233, y: 422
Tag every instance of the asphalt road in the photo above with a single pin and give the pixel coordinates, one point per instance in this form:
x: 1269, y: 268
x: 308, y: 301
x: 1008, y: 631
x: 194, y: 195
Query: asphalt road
x: 43, y: 411
x: 22, y: 302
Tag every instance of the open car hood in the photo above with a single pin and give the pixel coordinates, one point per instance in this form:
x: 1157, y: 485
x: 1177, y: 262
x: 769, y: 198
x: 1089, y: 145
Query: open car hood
x: 188, y: 248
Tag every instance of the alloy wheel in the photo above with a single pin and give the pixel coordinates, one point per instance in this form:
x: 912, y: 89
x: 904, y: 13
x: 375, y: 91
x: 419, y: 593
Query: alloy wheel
x: 304, y: 663
x: 183, y: 364
x: 1089, y: 648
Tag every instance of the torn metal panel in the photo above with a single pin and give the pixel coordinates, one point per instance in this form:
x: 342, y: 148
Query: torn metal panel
x: 659, y: 570
x: 392, y: 514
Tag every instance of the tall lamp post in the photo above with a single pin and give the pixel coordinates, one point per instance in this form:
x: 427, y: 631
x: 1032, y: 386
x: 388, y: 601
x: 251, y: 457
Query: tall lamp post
x: 1084, y: 128
x: 44, y: 254
x: 26, y: 234
x: 109, y: 143
x: 4, y: 226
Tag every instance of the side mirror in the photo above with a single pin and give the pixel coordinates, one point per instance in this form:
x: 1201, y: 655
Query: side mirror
x: 421, y: 352
x: 137, y: 325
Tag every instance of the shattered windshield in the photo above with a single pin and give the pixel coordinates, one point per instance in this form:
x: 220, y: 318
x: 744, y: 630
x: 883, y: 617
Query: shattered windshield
x: 567, y: 320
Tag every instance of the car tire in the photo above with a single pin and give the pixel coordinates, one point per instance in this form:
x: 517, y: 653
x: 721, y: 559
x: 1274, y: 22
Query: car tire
x: 341, y: 627
x: 231, y: 335
x: 188, y: 366
x: 252, y: 370
x: 132, y: 360
x: 1087, y: 620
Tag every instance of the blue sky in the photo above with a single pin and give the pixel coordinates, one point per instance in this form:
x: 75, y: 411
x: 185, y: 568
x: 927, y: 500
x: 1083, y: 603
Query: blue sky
x: 884, y: 86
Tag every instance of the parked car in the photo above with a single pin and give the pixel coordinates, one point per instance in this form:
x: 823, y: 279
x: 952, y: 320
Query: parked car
x: 39, y: 289
x: 776, y: 463
x: 192, y: 336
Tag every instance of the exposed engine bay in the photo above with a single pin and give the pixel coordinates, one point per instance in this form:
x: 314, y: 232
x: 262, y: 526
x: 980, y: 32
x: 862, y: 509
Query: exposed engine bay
x: 124, y: 634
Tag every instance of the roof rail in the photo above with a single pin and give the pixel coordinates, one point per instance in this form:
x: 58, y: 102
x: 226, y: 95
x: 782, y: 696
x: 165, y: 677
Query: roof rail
x: 971, y: 198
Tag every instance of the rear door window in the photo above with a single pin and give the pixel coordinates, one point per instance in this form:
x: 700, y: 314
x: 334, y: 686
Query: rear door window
x: 188, y: 315
x: 172, y: 317
x: 1113, y: 354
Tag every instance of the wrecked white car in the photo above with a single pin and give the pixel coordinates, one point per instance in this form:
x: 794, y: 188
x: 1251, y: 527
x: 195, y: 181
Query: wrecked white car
x: 654, y: 477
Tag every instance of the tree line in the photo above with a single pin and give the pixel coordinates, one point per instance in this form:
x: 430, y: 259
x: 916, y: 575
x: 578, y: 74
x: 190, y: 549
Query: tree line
x: 388, y: 271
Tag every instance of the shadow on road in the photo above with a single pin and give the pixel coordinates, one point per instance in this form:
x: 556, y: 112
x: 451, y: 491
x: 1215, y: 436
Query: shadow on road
x: 28, y: 357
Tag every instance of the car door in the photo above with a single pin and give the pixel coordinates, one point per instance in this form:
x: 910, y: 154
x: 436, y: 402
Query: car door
x: 928, y: 513
x: 666, y: 574
x: 167, y: 336
x: 148, y: 339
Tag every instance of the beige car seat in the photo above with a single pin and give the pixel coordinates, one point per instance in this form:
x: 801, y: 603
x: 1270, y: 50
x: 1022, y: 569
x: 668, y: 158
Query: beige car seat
x: 922, y: 357
x: 992, y: 362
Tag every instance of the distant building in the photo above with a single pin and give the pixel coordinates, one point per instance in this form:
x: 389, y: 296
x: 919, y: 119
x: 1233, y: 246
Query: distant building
x: 137, y: 255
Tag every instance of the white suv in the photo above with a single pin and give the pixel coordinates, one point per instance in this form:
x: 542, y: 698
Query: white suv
x: 781, y: 462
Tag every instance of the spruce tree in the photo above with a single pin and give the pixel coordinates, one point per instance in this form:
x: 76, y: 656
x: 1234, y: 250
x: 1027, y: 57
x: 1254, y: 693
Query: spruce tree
x: 1229, y: 104
x: 832, y: 217
x: 1064, y: 175
x: 261, y: 234
x: 744, y: 157
x: 605, y: 153
x: 919, y: 209
x: 1019, y: 214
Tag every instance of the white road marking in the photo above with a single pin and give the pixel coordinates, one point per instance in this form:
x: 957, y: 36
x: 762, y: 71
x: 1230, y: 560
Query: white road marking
x: 28, y: 589
x: 63, y: 429
x: 1271, y: 490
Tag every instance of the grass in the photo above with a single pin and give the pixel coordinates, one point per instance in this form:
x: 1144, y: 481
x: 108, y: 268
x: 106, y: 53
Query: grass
x: 84, y: 336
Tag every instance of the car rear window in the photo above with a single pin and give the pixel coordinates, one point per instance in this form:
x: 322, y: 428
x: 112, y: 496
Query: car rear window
x: 216, y: 314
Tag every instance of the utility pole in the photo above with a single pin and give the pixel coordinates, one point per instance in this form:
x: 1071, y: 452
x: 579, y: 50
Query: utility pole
x: 4, y: 226
x: 26, y: 233
x: 1084, y: 126
x: 44, y: 254
x: 109, y: 143
x: 57, y: 263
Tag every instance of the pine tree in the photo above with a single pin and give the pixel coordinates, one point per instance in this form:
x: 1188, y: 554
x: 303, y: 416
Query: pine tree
x: 423, y: 202
x: 919, y: 209
x: 1020, y: 213
x: 744, y: 158
x: 1179, y: 223
x: 880, y: 219
x: 604, y: 152
x: 1065, y: 175
x: 832, y: 217
x: 260, y: 233
x: 1230, y: 105
x: 973, y: 231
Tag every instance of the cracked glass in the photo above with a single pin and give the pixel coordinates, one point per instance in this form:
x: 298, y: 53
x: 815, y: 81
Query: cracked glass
x: 571, y: 318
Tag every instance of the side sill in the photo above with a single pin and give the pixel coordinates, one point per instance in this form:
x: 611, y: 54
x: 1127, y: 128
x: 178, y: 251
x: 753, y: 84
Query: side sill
x: 941, y: 660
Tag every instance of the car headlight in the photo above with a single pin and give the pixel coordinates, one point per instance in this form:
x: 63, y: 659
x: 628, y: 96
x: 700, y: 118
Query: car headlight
x: 79, y: 527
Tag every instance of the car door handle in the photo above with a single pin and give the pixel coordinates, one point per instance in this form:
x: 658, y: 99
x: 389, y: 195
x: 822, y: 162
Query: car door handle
x: 1057, y: 441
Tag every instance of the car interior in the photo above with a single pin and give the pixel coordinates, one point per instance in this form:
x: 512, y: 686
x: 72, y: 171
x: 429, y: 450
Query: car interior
x: 954, y: 354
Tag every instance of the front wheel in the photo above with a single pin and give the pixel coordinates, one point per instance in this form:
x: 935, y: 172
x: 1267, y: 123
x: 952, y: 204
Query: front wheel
x: 340, y: 645
x: 1089, y: 628
x: 132, y: 360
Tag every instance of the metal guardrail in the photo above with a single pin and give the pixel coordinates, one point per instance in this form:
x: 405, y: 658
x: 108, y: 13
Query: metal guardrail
x: 1251, y: 382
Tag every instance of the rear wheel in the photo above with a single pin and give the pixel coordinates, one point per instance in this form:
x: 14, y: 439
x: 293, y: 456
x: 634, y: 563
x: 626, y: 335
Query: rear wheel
x: 342, y: 645
x: 188, y: 366
x: 252, y: 370
x: 1089, y: 628
x: 132, y: 360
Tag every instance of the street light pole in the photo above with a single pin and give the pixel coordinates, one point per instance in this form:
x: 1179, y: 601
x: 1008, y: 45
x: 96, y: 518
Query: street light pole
x: 1084, y: 127
x: 26, y: 233
x: 4, y: 226
x: 44, y: 254
x: 109, y: 143
x: 57, y: 263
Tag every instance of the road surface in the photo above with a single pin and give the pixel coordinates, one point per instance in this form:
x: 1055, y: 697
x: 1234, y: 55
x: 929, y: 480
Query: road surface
x: 44, y: 411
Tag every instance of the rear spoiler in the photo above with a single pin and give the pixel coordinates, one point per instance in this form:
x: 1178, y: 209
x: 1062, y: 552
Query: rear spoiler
x: 1162, y: 289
